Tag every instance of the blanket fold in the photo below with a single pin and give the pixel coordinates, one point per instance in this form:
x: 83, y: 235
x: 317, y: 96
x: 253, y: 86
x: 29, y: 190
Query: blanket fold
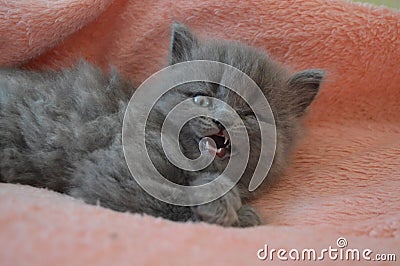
x: 345, y: 177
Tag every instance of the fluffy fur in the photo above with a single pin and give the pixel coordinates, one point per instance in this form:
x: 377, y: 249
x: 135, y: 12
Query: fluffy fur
x: 62, y: 130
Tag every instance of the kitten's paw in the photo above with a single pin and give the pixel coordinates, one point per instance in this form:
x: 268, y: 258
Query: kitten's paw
x: 221, y: 211
x: 247, y: 217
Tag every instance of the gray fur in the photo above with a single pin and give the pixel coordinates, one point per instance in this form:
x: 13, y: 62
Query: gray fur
x: 62, y: 130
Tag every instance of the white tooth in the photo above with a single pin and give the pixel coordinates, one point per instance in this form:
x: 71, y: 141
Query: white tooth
x: 207, y: 145
x: 225, y: 133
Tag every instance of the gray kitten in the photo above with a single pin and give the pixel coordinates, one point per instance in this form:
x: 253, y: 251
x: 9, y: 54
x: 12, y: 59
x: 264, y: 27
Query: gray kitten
x: 62, y: 130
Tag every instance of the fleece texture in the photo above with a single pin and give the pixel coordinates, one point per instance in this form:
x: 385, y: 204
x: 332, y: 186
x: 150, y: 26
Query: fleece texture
x: 345, y: 177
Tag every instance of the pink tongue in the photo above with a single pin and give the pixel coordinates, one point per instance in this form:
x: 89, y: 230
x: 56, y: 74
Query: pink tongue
x: 220, y: 152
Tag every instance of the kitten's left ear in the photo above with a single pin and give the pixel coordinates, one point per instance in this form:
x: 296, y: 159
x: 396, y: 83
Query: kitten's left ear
x: 306, y: 84
x: 182, y: 42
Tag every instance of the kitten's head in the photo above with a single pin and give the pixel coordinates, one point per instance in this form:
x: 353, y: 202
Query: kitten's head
x: 288, y: 95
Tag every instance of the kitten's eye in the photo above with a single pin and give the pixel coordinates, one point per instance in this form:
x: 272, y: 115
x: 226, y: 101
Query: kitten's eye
x: 201, y: 100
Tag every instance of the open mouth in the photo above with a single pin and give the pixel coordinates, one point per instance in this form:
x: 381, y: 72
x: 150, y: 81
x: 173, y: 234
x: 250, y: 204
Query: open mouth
x: 222, y: 146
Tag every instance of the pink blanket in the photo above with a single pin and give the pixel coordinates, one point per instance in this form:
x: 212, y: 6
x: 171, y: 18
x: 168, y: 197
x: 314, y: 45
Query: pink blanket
x: 345, y: 178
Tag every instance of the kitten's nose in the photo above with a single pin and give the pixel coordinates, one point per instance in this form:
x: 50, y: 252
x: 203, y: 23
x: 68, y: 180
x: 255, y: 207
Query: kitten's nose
x: 219, y: 125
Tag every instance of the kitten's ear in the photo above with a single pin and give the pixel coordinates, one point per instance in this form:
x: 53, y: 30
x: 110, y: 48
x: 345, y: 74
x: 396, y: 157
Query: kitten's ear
x: 182, y: 42
x: 306, y: 84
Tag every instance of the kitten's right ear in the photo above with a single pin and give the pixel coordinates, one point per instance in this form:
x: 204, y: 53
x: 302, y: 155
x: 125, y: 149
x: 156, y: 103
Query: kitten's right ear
x: 306, y: 85
x: 182, y: 42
